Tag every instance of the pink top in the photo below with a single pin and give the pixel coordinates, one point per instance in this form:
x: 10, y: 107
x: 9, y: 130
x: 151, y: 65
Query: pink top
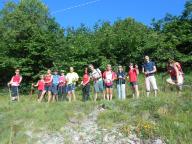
x: 41, y: 85
x: 62, y: 81
x: 110, y: 75
x: 16, y: 79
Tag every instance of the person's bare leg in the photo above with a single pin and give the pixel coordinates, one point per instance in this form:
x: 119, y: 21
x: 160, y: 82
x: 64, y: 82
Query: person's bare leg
x: 148, y: 93
x: 107, y: 93
x: 41, y: 97
x: 69, y: 96
x: 155, y: 92
x: 95, y: 97
x: 54, y: 98
x: 49, y: 97
x: 74, y: 96
x: 110, y: 93
x: 137, y: 91
x: 104, y: 94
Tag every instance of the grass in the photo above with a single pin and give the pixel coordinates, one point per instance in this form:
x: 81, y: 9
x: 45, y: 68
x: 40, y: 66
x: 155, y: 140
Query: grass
x: 168, y: 116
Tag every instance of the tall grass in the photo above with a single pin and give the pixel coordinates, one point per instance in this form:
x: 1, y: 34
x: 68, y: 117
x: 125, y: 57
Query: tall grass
x: 167, y: 116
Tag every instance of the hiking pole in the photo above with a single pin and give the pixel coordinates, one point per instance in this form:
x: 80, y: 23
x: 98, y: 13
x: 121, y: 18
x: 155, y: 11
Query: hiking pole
x: 121, y: 88
x: 9, y: 91
x: 18, y: 97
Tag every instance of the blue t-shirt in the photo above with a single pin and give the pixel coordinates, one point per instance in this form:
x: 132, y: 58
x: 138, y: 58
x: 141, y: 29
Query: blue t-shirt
x: 56, y: 79
x: 148, y: 66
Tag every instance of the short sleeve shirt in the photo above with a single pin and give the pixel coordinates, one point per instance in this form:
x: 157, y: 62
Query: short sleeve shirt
x: 56, y: 79
x: 96, y: 74
x: 72, y: 78
x: 148, y: 66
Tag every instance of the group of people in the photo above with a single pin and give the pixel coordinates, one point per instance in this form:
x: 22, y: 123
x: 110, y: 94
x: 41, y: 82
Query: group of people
x: 65, y: 85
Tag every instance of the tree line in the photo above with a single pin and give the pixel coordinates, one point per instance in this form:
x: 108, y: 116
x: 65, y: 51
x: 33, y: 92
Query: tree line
x: 33, y: 41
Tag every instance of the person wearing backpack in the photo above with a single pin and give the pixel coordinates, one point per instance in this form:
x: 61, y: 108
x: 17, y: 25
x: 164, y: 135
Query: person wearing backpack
x: 109, y: 76
x: 176, y: 74
x: 15, y: 83
x: 121, y: 76
x: 96, y: 76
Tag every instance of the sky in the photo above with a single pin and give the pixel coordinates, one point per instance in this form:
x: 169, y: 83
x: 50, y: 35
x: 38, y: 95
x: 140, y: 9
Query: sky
x: 75, y: 12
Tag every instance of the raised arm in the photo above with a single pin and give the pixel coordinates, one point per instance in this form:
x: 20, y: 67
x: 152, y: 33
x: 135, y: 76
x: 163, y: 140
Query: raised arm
x: 137, y: 70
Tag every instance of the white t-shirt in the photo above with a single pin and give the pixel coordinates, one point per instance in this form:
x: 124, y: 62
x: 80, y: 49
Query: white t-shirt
x: 109, y: 76
x: 72, y: 78
x: 96, y: 75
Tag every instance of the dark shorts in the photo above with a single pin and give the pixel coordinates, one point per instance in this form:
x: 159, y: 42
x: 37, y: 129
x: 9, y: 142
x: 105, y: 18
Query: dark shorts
x: 48, y: 88
x: 14, y: 91
x: 54, y: 89
x: 40, y: 92
x: 174, y: 78
x: 70, y: 87
x: 62, y: 89
x: 111, y: 86
x: 133, y: 84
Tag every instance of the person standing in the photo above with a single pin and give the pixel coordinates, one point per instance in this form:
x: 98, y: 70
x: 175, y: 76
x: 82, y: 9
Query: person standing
x: 40, y: 86
x: 15, y: 83
x: 86, y: 85
x: 132, y: 75
x: 149, y: 69
x: 48, y: 79
x: 62, y: 86
x: 176, y: 74
x: 71, y: 78
x: 109, y: 76
x: 121, y: 83
x: 96, y: 76
x: 55, y: 86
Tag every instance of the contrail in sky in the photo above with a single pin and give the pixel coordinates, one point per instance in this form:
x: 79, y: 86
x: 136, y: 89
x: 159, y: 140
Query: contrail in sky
x: 76, y: 6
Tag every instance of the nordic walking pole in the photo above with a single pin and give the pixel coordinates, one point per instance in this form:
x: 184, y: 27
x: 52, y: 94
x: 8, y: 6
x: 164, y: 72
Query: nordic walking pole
x: 121, y: 87
x: 18, y: 97
x: 9, y: 90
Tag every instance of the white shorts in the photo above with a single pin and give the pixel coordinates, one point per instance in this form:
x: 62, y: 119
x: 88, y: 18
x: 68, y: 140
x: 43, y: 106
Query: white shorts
x: 150, y: 81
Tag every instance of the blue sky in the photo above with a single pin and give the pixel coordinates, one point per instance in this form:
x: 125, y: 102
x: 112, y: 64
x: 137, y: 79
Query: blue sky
x: 141, y: 10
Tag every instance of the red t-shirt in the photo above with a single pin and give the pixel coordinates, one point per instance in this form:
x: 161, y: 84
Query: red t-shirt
x: 16, y: 78
x: 171, y: 71
x: 132, y: 75
x: 41, y: 84
x: 47, y: 79
x: 86, y: 78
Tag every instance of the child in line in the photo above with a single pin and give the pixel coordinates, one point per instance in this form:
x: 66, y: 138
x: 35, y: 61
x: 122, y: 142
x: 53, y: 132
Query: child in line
x: 40, y: 86
x: 62, y: 86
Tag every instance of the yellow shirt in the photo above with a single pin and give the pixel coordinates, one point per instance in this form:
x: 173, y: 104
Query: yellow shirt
x: 72, y: 78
